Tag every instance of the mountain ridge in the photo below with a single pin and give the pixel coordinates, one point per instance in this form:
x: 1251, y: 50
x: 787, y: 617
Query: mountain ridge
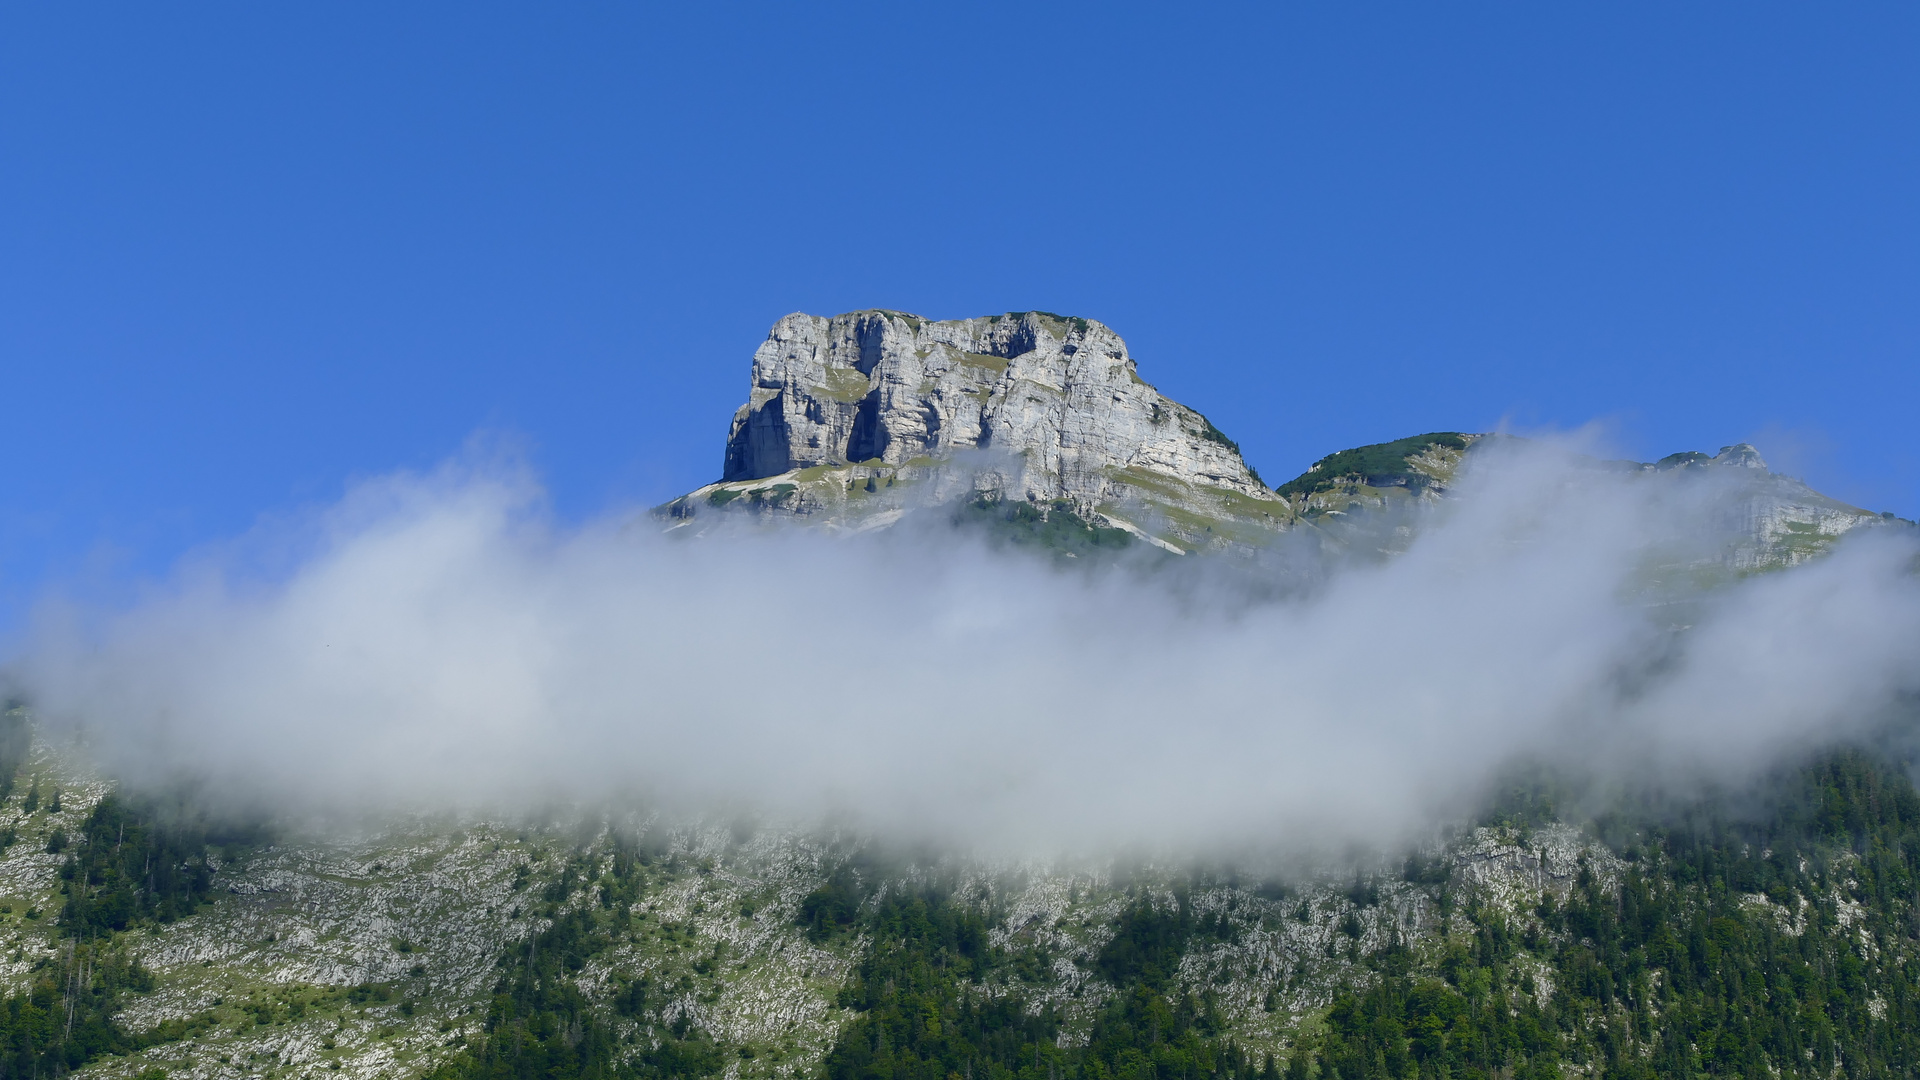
x: 856, y: 420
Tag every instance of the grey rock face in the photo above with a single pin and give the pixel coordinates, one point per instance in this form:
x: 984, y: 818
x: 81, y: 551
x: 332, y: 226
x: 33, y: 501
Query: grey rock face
x: 1058, y: 397
x: 1740, y: 456
x: 1780, y: 520
x: 1762, y: 519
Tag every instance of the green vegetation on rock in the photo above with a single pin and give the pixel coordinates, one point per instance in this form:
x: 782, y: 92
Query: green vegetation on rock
x: 541, y: 1025
x: 16, y: 739
x: 131, y: 864
x: 1730, y: 945
x: 1683, y: 459
x: 65, y: 1019
x: 1215, y: 435
x: 140, y: 862
x: 1783, y: 946
x: 1053, y: 527
x: 935, y: 997
x: 1377, y: 465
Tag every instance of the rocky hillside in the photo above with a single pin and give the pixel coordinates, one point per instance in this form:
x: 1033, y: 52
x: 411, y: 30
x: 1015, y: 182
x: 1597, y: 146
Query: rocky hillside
x: 858, y: 418
x: 376, y: 950
x: 629, y: 945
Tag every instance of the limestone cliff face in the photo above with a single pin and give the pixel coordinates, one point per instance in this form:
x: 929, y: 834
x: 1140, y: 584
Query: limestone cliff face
x: 1057, y: 399
x: 1776, y: 520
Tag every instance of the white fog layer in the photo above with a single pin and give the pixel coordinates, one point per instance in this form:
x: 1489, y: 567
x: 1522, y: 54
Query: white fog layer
x: 444, y: 643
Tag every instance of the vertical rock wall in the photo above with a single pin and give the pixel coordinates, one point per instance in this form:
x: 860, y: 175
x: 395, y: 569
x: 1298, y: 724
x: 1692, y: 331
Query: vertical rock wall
x: 1058, y: 395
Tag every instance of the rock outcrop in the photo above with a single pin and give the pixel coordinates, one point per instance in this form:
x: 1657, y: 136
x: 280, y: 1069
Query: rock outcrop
x: 1773, y: 520
x: 1029, y: 407
x: 1060, y: 394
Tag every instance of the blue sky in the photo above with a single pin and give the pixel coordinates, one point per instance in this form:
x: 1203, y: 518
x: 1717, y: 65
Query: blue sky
x: 250, y: 252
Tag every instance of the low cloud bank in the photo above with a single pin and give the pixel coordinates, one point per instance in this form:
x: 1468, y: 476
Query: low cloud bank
x: 440, y: 642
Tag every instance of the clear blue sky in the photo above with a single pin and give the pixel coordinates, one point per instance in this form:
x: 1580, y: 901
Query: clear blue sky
x: 248, y: 252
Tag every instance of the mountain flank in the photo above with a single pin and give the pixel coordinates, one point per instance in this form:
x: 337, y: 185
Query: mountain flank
x: 1778, y: 939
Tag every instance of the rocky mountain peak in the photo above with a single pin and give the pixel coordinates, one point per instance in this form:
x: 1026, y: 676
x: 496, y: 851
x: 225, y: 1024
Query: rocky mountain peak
x: 847, y: 416
x: 1057, y: 396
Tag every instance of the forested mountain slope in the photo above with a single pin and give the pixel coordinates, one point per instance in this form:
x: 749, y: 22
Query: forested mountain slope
x: 1773, y: 938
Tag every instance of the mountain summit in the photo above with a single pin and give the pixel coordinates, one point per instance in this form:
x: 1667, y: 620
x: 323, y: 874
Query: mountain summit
x: 1060, y: 393
x: 855, y: 416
